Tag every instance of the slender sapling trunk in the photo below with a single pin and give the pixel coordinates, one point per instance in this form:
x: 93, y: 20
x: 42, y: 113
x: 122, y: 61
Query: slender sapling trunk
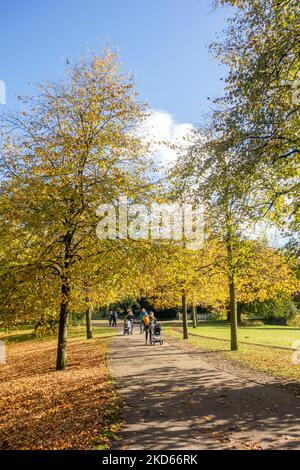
x: 184, y: 316
x: 88, y: 321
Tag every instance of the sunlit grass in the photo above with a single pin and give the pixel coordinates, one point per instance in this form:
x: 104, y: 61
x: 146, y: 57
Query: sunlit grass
x: 271, y: 335
x: 276, y: 362
x: 26, y: 333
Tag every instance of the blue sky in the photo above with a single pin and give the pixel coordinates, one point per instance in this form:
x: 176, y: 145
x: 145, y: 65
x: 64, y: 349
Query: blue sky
x: 163, y: 42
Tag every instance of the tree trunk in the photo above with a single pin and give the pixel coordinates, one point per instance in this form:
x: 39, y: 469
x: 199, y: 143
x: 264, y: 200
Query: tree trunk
x: 239, y: 317
x: 88, y: 322
x: 61, y: 361
x: 232, y: 292
x: 184, y: 317
x: 195, y: 321
x: 233, y: 315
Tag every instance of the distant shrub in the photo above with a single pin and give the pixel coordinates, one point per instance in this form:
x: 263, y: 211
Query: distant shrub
x: 77, y: 318
x: 249, y: 322
x: 280, y: 311
x: 216, y: 316
x: 295, y: 321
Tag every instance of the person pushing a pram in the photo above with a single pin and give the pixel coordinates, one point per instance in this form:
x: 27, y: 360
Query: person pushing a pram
x: 128, y: 323
x: 149, y: 323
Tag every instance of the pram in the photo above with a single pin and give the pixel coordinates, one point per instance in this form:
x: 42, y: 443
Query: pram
x: 156, y: 335
x: 127, y: 327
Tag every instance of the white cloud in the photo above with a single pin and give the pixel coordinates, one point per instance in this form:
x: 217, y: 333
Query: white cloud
x: 164, y: 133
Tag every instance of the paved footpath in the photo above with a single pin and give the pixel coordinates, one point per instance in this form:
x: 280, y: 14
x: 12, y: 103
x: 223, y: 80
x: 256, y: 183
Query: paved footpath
x: 176, y: 399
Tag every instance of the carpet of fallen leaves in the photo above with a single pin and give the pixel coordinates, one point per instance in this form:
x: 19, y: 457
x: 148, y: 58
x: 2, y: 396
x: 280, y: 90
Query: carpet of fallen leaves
x: 44, y: 409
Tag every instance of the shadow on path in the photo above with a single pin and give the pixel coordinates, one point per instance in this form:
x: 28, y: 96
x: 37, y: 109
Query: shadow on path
x: 178, y: 400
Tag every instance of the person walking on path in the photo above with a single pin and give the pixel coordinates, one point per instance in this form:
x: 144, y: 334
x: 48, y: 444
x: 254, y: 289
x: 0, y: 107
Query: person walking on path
x: 131, y: 319
x: 152, y: 321
x: 114, y: 316
x: 110, y: 317
x: 146, y: 321
x: 142, y: 326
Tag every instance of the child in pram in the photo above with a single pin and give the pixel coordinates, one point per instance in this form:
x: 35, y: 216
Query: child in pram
x: 127, y: 327
x: 156, y: 335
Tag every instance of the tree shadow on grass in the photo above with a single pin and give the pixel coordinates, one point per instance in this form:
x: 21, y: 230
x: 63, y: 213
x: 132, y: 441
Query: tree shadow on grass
x: 18, y: 338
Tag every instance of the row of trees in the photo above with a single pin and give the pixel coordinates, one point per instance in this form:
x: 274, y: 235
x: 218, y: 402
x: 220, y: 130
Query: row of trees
x: 76, y: 144
x: 245, y: 165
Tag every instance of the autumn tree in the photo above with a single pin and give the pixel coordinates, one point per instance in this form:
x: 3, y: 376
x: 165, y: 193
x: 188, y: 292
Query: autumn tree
x: 207, y: 175
x: 178, y: 277
x: 72, y: 147
x: 258, y: 116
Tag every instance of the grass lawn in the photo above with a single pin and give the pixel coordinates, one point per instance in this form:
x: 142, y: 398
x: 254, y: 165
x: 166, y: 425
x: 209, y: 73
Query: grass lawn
x: 21, y: 333
x: 268, y: 335
x: 17, y: 334
x: 274, y: 361
x: 43, y: 409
